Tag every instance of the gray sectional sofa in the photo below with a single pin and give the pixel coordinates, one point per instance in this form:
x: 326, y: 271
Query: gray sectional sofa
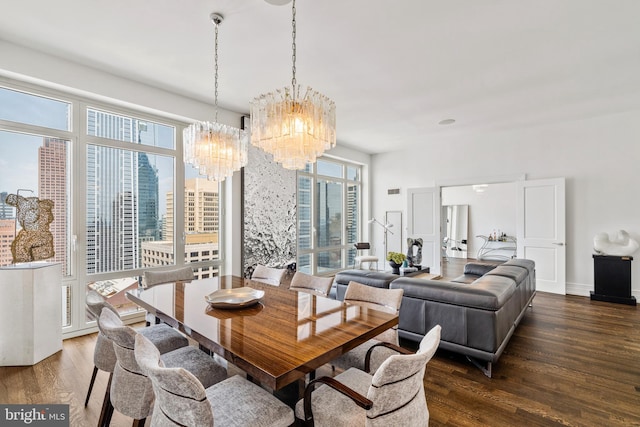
x: 478, y: 311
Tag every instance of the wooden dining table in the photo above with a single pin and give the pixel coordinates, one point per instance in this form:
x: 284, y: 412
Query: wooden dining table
x: 276, y: 341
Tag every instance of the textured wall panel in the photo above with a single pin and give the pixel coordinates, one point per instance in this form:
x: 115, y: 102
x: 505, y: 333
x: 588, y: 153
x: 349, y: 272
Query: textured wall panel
x: 269, y: 212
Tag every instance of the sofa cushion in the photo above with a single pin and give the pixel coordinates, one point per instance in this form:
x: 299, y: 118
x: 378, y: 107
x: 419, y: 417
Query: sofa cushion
x: 473, y: 270
x: 479, y: 268
x: 523, y: 263
x: 518, y: 274
x: 489, y: 293
x: 377, y: 279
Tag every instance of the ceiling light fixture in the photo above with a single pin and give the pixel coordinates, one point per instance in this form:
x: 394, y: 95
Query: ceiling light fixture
x: 216, y: 150
x: 295, y: 127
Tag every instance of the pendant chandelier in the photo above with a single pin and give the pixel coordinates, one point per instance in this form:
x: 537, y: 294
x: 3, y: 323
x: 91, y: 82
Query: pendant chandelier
x: 214, y: 149
x: 295, y: 126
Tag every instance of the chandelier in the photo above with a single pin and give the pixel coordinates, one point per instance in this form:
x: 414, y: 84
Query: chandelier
x: 214, y: 149
x: 294, y: 125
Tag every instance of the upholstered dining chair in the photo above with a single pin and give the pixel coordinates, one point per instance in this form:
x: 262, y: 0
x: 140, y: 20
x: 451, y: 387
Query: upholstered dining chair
x: 152, y: 278
x: 312, y: 284
x: 104, y: 356
x: 392, y: 396
x: 268, y: 275
x: 182, y: 400
x: 131, y: 391
x: 387, y: 300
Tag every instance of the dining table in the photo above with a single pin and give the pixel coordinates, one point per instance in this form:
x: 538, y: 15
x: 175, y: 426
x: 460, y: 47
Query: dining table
x: 278, y: 339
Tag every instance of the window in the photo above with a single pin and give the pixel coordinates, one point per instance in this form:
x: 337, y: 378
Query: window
x: 328, y: 215
x: 112, y: 174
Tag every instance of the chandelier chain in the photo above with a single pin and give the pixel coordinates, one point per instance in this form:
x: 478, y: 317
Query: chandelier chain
x: 293, y: 46
x: 217, y: 24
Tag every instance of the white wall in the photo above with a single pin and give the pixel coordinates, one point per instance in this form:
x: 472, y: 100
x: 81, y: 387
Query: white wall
x: 599, y: 158
x: 491, y: 210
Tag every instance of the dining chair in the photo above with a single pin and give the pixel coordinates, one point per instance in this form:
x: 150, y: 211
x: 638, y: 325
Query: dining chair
x: 131, y: 391
x: 268, y: 275
x: 312, y: 284
x: 182, y: 400
x: 152, y: 278
x: 392, y: 396
x: 387, y: 300
x: 104, y: 356
x: 359, y: 259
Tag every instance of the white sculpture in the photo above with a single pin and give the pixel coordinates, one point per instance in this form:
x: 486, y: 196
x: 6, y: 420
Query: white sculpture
x: 621, y: 245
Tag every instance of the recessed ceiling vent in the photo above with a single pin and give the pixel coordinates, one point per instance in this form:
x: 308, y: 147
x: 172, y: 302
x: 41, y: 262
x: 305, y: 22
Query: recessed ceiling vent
x: 393, y: 191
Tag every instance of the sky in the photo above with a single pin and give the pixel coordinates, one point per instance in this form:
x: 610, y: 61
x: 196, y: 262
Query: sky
x: 19, y: 152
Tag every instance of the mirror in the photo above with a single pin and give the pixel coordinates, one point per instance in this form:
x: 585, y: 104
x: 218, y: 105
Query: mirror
x: 455, y: 225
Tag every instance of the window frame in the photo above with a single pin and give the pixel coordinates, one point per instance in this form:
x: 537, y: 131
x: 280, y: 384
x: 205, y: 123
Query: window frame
x: 346, y: 247
x: 79, y: 140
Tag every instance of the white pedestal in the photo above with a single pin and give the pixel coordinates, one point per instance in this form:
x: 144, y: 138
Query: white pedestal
x: 30, y: 312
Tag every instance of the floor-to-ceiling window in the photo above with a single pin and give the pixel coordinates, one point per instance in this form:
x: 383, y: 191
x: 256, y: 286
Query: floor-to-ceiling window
x: 329, y: 215
x: 123, y: 200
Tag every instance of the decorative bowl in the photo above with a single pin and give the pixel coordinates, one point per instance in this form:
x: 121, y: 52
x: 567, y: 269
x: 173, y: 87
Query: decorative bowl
x: 234, y: 298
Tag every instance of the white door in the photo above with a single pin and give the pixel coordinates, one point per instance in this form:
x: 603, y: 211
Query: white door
x: 423, y: 221
x: 541, y: 231
x: 394, y: 233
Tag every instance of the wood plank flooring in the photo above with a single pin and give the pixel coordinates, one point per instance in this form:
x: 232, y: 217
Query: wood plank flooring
x: 571, y: 362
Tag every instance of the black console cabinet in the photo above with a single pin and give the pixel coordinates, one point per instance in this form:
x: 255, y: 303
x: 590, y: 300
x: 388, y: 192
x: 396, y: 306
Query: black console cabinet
x: 612, y: 277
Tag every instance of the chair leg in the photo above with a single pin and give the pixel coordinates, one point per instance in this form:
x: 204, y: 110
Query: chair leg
x: 107, y: 407
x: 93, y: 379
x: 138, y: 423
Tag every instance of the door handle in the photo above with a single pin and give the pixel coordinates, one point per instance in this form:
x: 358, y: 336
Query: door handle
x: 558, y: 244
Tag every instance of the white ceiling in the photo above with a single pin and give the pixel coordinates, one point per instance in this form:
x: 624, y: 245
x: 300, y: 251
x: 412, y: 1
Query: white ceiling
x: 393, y: 68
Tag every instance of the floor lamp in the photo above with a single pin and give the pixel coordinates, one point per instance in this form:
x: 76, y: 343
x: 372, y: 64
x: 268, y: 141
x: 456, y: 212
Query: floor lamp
x: 386, y: 227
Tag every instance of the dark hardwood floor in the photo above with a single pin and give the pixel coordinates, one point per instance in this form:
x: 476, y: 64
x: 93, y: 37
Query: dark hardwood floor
x: 571, y: 362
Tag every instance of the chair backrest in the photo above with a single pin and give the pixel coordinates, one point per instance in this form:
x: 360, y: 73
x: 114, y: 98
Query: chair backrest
x: 382, y: 299
x: 362, y: 245
x: 123, y: 338
x: 268, y: 275
x: 305, y: 282
x: 104, y: 357
x: 95, y: 303
x: 152, y: 278
x: 397, y: 388
x: 180, y: 396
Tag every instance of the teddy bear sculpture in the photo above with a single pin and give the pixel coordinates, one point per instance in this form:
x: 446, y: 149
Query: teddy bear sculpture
x: 34, y: 241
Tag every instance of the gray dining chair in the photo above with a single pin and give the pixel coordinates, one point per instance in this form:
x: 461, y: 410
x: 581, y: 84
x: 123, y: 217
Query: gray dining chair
x: 268, y: 275
x: 392, y: 396
x: 182, y: 400
x: 131, y: 391
x: 152, y: 278
x: 312, y: 284
x: 104, y: 356
x: 387, y: 300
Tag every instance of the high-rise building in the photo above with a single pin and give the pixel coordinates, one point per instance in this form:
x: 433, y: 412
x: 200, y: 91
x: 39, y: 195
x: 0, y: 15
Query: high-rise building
x: 201, y: 227
x: 201, y: 207
x: 113, y: 194
x: 52, y: 185
x: 7, y: 234
x: 147, y: 200
x: 6, y: 211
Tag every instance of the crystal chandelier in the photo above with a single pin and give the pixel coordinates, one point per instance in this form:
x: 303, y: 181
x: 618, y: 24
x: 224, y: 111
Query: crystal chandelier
x: 214, y: 149
x: 295, y: 126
